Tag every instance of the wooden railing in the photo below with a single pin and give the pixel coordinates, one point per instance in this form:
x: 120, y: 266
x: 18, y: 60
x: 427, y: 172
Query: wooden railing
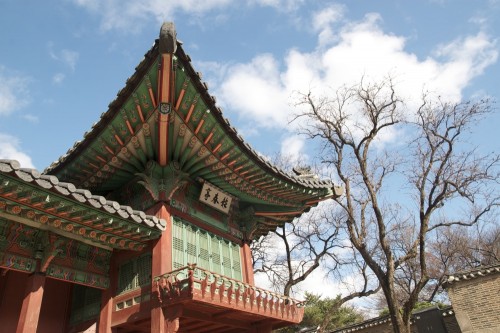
x: 191, y: 282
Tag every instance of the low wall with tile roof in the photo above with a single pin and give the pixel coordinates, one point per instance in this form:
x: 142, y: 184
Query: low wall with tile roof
x: 475, y: 298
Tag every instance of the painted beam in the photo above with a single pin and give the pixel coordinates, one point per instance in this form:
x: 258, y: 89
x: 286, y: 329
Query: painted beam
x: 166, y: 83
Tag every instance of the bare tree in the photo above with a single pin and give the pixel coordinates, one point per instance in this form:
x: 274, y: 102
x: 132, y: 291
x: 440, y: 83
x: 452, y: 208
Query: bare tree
x: 456, y: 249
x: 291, y: 254
x: 399, y: 193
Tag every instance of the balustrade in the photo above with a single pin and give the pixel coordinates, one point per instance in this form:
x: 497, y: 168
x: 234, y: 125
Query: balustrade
x: 192, y: 282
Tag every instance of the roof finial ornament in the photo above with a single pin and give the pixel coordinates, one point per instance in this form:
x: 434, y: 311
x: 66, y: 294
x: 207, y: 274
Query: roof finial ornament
x: 168, y: 38
x: 305, y: 172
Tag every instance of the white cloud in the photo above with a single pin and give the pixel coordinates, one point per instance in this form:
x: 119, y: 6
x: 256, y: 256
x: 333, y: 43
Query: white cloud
x: 58, y: 78
x: 292, y: 147
x: 282, y: 5
x: 67, y: 57
x: 260, y: 89
x: 14, y: 93
x: 30, y: 118
x: 467, y: 57
x: 130, y: 15
x: 256, y: 91
x: 324, y: 19
x: 10, y: 149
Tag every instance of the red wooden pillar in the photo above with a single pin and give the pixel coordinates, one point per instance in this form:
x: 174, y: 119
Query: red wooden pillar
x: 3, y: 283
x: 247, y: 264
x: 32, y: 303
x: 161, y: 264
x: 172, y: 319
x: 105, y: 319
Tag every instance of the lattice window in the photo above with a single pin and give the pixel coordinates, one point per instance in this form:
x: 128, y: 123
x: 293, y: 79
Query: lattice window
x: 235, y: 256
x: 226, y: 258
x: 191, y: 248
x: 215, y: 255
x: 85, y: 304
x: 127, y: 276
x: 193, y: 245
x: 204, y: 255
x: 177, y: 245
x: 143, y: 270
x: 134, y: 274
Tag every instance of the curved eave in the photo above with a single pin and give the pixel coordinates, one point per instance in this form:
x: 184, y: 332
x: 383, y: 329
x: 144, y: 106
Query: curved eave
x: 43, y: 201
x: 204, y: 143
x: 208, y: 147
x: 120, y: 143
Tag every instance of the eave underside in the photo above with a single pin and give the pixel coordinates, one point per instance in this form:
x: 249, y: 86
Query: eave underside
x: 200, y: 141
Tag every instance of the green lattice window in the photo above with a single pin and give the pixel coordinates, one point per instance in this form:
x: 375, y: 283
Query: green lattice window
x: 134, y: 274
x: 85, y: 304
x: 191, y: 244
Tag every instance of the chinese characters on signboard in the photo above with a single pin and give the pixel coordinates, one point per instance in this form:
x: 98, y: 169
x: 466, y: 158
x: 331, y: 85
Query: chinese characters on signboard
x: 215, y: 198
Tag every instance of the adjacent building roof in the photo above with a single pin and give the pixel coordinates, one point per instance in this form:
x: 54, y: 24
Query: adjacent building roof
x: 43, y: 201
x: 374, y: 324
x: 471, y: 274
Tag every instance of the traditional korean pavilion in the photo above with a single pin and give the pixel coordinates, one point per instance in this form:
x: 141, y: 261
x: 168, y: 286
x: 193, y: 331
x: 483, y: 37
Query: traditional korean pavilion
x: 145, y: 224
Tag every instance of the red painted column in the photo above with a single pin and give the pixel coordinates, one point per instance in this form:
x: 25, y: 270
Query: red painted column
x: 32, y: 303
x: 161, y: 264
x: 172, y: 318
x: 105, y: 318
x: 247, y: 263
x: 3, y: 283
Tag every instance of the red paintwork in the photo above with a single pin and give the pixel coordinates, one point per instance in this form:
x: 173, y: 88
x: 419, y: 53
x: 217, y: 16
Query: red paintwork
x: 53, y: 313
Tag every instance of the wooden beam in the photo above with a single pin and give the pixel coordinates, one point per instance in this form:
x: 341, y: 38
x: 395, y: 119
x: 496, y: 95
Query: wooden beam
x: 277, y: 213
x: 210, y: 318
x: 166, y: 83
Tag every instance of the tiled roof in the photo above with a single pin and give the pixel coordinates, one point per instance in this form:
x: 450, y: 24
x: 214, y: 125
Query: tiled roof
x: 365, y: 324
x: 198, y: 141
x: 132, y: 81
x: 14, y: 182
x: 448, y: 311
x: 107, y: 116
x: 471, y: 274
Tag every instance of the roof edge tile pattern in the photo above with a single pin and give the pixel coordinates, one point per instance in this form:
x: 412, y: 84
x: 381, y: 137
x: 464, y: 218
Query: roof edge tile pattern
x: 48, y: 182
x: 471, y: 274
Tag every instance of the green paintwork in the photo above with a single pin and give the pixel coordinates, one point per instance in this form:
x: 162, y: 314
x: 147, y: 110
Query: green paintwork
x: 201, y: 144
x: 21, y: 245
x: 45, y: 208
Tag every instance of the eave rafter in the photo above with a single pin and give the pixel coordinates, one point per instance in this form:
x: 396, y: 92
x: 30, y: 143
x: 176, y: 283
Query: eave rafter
x: 165, y: 114
x: 223, y: 158
x: 203, y: 162
x: 121, y: 142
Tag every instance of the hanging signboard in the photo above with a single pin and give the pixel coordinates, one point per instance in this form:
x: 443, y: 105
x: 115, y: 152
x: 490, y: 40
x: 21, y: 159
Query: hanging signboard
x: 216, y: 198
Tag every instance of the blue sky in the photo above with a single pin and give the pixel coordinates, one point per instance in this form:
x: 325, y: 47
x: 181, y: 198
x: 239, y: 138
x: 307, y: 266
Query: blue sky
x: 62, y: 62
